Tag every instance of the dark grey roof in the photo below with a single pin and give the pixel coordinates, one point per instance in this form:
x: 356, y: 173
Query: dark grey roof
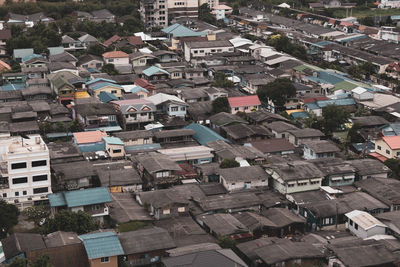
x: 273, y: 145
x: 322, y: 146
x: 253, y: 221
x: 146, y: 240
x: 223, y: 257
x: 230, y: 201
x: 282, y: 217
x: 73, y: 170
x: 39, y: 106
x: 368, y: 121
x: 87, y: 58
x: 263, y: 115
x: 209, y: 44
x: 132, y: 135
x: 153, y: 162
x: 368, y: 166
x: 248, y: 248
x: 280, y: 126
x: 306, y: 132
x: 14, y: 94
x: 37, y: 90
x: 63, y: 57
x: 223, y: 118
x: 95, y: 109
x: 179, y: 251
x: 332, y: 166
x: 63, y: 150
x: 21, y: 243
x: 240, y: 131
x: 102, y: 14
x: 295, y: 170
x: 242, y: 174
x: 24, y: 126
x: 223, y: 224
x: 124, y: 208
x: 174, y: 133
x: 59, y: 65
x: 383, y: 189
x: 120, y: 177
x: 60, y: 239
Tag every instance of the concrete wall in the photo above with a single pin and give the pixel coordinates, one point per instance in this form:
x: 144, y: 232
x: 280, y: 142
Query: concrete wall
x: 362, y: 233
x: 382, y: 148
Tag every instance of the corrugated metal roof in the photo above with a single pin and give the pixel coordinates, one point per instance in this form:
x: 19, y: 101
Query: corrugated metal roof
x: 153, y: 70
x: 57, y: 200
x: 100, y: 79
x: 113, y: 140
x: 337, y: 102
x: 241, y: 101
x: 106, y: 97
x: 105, y: 84
x: 178, y: 30
x: 103, y: 244
x: 86, y: 197
x: 203, y: 134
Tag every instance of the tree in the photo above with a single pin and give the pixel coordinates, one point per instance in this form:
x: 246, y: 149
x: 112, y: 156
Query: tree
x: 221, y: 81
x: 394, y: 166
x: 334, y: 118
x: 42, y: 261
x: 60, y: 127
x: 45, y: 128
x: 36, y: 213
x: 96, y: 49
x: 18, y: 262
x: 9, y: 218
x: 229, y: 163
x: 277, y: 91
x: 235, y: 9
x: 64, y: 220
x: 220, y: 104
x: 75, y: 126
x: 109, y: 69
x: 205, y: 14
x: 226, y: 242
x: 353, y: 136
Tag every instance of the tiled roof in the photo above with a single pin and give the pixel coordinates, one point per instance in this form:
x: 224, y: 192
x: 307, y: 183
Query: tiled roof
x: 241, y: 101
x: 89, y: 137
x: 111, y: 40
x: 392, y: 141
x: 135, y: 40
x: 115, y: 54
x: 103, y: 244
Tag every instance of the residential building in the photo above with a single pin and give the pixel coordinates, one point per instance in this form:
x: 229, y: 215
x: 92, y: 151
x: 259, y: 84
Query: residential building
x: 97, y: 116
x: 102, y: 249
x: 210, y: 3
x: 111, y: 88
x: 294, y: 176
x: 189, y: 154
x: 169, y: 104
x: 244, y: 103
x: 243, y: 178
x: 154, y: 13
x: 135, y: 112
x: 320, y: 149
x: 220, y: 11
x: 388, y: 146
x: 154, y: 73
x: 300, y: 136
x: 114, y: 147
x: 118, y: 58
x: 102, y: 15
x: 280, y: 128
x: 139, y: 59
x: 274, y: 146
x: 90, y: 62
x: 93, y: 201
x: 89, y: 141
x: 369, y: 168
x: 25, y: 171
x: 195, y: 52
x: 174, y: 137
x: 363, y: 224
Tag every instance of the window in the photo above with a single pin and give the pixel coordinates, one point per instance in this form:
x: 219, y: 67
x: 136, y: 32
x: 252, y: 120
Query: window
x: 195, y: 51
x: 236, y: 109
x: 16, y: 194
x: 379, y: 148
x: 21, y: 165
x: 104, y: 259
x: 21, y: 180
x: 183, y: 108
x: 24, y: 193
x: 387, y: 151
x: 4, y: 194
x: 398, y: 154
x: 212, y: 50
x: 201, y: 51
x: 351, y: 222
x: 40, y: 190
x: 117, y: 150
x: 110, y: 60
x: 355, y: 226
x: 290, y: 185
x: 177, y: 74
x: 38, y: 178
x: 246, y: 108
x: 174, y: 108
x: 314, y: 182
x: 113, y: 91
x: 95, y: 207
x: 39, y: 163
x: 166, y: 211
x: 181, y: 209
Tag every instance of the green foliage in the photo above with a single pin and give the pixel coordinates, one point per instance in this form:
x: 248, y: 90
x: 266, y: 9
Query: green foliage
x: 60, y: 127
x: 334, y: 118
x: 358, y: 71
x: 42, y: 261
x: 367, y: 21
x: 205, y: 15
x: 36, y: 213
x: 18, y: 262
x: 126, y: 49
x: 131, y: 226
x: 229, y: 163
x: 226, y: 242
x: 75, y: 126
x: 394, y: 166
x: 220, y: 104
x: 282, y: 43
x: 235, y: 9
x: 9, y: 218
x: 277, y: 91
x: 221, y: 81
x: 109, y: 69
x: 96, y: 49
x: 64, y: 220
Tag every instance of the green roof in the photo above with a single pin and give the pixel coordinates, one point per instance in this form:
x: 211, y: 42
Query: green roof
x: 153, y: 70
x: 345, y: 85
x: 203, y: 134
x: 103, y: 244
x: 178, y: 30
x: 306, y: 66
x: 79, y: 198
x: 113, y: 140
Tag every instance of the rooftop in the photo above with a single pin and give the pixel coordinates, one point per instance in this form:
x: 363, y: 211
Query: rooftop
x: 102, y: 244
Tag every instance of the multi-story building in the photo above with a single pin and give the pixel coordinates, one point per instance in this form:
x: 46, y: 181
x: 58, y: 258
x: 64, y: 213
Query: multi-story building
x: 154, y: 13
x: 25, y: 170
x: 210, y: 3
x: 182, y: 9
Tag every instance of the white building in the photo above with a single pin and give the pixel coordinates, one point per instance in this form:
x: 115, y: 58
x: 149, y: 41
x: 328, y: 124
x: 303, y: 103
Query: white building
x: 389, y: 3
x: 199, y: 50
x: 361, y: 94
x: 220, y: 11
x: 363, y: 224
x: 25, y: 170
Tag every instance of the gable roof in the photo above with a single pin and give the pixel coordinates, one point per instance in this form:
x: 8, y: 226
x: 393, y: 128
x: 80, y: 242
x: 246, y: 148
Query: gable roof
x: 115, y: 54
x: 106, y: 97
x: 178, y: 30
x: 154, y: 70
x: 78, y: 198
x: 204, y: 134
x: 364, y: 219
x: 103, y: 244
x: 105, y: 84
x: 392, y: 141
x: 89, y: 137
x: 113, y: 140
x: 241, y: 101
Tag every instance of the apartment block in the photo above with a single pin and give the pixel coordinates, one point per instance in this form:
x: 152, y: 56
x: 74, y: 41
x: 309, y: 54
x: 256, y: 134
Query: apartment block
x: 24, y: 170
x: 182, y: 9
x: 154, y: 13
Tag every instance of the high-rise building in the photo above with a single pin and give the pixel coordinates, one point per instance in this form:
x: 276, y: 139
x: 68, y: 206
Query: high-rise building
x: 154, y: 13
x: 24, y: 170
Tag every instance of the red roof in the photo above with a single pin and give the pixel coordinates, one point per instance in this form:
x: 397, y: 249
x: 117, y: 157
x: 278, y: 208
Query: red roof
x: 111, y: 40
x: 345, y: 23
x: 89, y: 137
x: 135, y: 40
x: 115, y: 54
x: 392, y: 141
x: 314, y: 99
x: 242, y: 101
x: 144, y: 84
x: 378, y: 156
x: 332, y: 21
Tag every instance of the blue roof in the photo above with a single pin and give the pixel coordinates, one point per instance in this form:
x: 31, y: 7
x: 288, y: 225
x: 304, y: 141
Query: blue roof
x: 337, y: 102
x: 178, y: 30
x: 144, y: 147
x: 56, y: 50
x: 113, y: 140
x: 312, y: 106
x: 330, y: 77
x: 106, y: 97
x: 12, y: 87
x: 299, y: 115
x: 137, y: 89
x: 30, y: 57
x: 98, y: 80
x: 103, y: 244
x: 57, y: 199
x: 395, y: 17
x: 153, y: 70
x: 106, y: 129
x: 93, y: 70
x: 101, y: 85
x: 20, y: 53
x: 204, y: 134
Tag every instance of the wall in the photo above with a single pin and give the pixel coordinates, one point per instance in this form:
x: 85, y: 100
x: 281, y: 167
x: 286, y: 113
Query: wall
x: 97, y: 263
x: 110, y: 89
x: 309, y: 154
x: 181, y: 112
x: 299, y: 141
x: 230, y: 186
x: 362, y: 233
x: 246, y: 109
x: 111, y: 150
x: 117, y: 61
x: 382, y: 148
x: 95, y: 64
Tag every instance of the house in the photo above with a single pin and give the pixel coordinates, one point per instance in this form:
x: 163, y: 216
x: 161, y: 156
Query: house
x: 195, y: 52
x: 93, y: 201
x: 294, y: 176
x: 243, y: 133
x: 72, y: 175
x: 280, y: 128
x: 102, y: 248
x: 215, y: 92
x: 64, y: 57
x: 154, y: 73
x: 369, y: 168
x: 97, y: 116
x: 274, y: 146
x: 70, y: 44
x: 264, y: 117
x: 320, y: 149
x: 391, y: 220
x: 55, y: 67
x: 114, y: 147
x: 285, y: 222
x: 21, y: 245
x: 118, y: 58
x: 135, y: 112
x: 243, y: 178
x: 102, y: 15
x: 88, y: 40
x: 244, y: 103
x: 111, y: 88
x: 224, y: 119
x: 154, y: 241
x: 4, y: 67
x: 203, y: 134
x: 89, y: 141
x: 361, y: 94
x: 169, y: 104
x: 139, y: 59
x: 174, y: 137
x: 37, y: 93
x: 363, y: 224
x: 220, y: 11
x: 336, y: 171
x: 157, y: 170
x: 388, y: 147
x: 89, y: 61
x: 135, y: 91
x: 5, y: 35
x: 189, y: 154
x: 165, y: 56
x: 138, y: 137
x: 197, y: 258
x: 298, y: 137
